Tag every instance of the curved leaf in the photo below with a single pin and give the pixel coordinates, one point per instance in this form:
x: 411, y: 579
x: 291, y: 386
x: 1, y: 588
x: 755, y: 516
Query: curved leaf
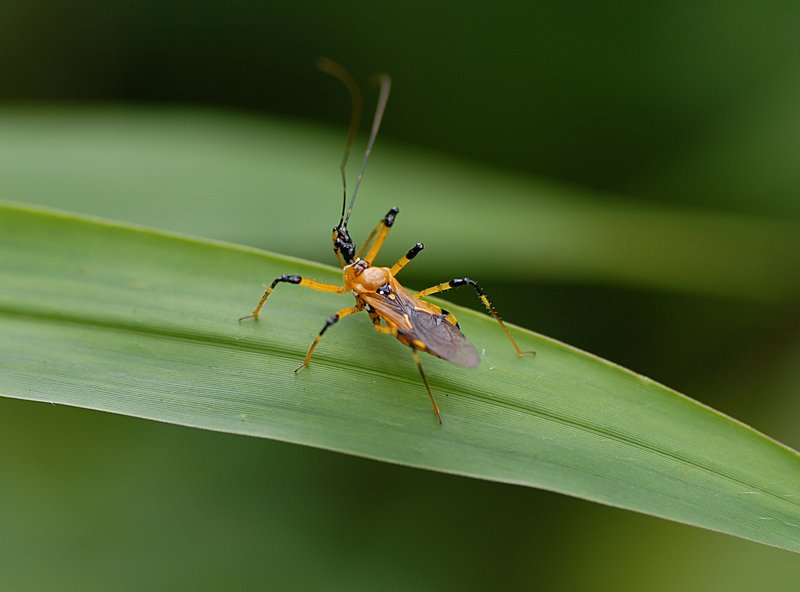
x: 132, y: 321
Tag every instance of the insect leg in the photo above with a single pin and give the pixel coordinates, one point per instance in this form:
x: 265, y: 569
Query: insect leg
x: 331, y: 321
x: 427, y: 386
x: 292, y: 279
x: 379, y: 233
x: 457, y: 283
x: 405, y: 259
x: 376, y: 324
x: 415, y: 346
x: 449, y: 317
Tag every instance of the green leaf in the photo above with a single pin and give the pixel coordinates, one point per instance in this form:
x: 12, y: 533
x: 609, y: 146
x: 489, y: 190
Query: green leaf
x: 267, y: 182
x: 133, y: 321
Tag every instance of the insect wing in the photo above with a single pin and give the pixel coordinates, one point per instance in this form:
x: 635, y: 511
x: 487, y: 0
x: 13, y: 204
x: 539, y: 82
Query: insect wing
x: 443, y: 339
x: 415, y: 319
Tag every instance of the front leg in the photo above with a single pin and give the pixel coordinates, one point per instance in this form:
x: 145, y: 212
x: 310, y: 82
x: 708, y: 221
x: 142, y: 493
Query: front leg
x: 405, y: 259
x: 381, y: 230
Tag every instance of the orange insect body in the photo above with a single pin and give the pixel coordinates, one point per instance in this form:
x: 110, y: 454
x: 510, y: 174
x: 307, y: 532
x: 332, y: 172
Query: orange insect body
x: 420, y: 325
x: 416, y: 323
x: 361, y: 278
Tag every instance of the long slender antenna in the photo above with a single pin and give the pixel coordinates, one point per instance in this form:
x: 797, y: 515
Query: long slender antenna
x: 357, y: 105
x: 386, y: 86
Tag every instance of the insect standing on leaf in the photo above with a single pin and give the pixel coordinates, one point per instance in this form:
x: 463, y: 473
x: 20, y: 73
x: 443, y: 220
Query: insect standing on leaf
x: 420, y: 325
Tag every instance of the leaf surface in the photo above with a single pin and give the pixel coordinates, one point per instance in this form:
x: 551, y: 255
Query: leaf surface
x: 133, y: 321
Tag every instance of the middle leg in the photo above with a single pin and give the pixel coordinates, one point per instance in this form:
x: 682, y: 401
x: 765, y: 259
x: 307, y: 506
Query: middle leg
x: 330, y: 322
x: 292, y: 279
x: 457, y: 283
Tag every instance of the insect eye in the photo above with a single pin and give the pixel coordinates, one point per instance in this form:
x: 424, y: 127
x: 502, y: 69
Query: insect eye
x: 345, y: 247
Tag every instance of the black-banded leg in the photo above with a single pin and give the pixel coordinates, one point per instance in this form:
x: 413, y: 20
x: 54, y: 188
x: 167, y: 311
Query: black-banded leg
x: 379, y: 233
x: 405, y: 259
x: 292, y: 279
x: 329, y: 323
x: 447, y: 315
x: 414, y: 348
x: 457, y: 283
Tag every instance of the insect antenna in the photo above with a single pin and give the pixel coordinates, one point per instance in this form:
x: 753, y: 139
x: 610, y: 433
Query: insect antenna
x: 357, y: 106
x: 343, y: 245
x: 385, y: 82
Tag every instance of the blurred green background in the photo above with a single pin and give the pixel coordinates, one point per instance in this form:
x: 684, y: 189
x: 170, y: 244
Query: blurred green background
x: 691, y: 109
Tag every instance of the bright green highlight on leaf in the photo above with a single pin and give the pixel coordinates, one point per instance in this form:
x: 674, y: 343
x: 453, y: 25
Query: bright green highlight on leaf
x: 132, y: 321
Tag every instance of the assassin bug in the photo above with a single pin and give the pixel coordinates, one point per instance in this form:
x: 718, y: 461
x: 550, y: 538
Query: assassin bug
x: 420, y: 325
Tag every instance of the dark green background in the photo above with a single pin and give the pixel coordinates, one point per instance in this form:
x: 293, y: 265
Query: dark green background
x: 694, y: 105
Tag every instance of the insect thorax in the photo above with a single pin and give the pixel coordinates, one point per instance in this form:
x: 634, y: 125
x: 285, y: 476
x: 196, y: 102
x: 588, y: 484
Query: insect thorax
x: 362, y: 277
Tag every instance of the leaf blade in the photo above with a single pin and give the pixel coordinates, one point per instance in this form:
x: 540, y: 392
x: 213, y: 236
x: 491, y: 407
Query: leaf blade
x: 128, y: 320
